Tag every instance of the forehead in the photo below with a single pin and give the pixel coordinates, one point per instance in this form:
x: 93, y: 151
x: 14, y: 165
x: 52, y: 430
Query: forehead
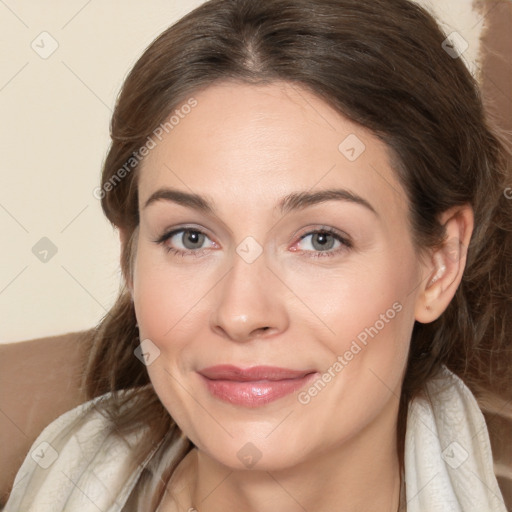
x: 252, y: 144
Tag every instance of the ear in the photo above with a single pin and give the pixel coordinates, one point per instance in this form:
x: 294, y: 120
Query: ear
x: 443, y: 272
x: 124, y: 239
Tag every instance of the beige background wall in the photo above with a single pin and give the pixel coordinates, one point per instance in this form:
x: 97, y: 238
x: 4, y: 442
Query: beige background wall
x: 55, y: 110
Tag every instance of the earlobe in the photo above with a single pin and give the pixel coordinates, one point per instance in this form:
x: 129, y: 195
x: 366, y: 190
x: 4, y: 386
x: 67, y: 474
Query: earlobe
x: 438, y: 288
x: 446, y: 267
x: 427, y: 306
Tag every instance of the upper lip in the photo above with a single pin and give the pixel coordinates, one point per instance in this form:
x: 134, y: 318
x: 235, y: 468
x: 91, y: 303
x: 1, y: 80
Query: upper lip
x: 230, y: 372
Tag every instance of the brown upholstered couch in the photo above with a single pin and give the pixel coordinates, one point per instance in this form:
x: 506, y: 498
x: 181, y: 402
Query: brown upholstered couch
x: 39, y: 380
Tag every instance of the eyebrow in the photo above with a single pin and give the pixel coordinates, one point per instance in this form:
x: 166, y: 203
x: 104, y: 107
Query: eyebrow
x: 291, y: 202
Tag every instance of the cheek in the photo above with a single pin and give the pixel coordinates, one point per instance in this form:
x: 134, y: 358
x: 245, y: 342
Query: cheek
x: 365, y: 312
x: 167, y: 298
x: 167, y: 305
x: 370, y: 312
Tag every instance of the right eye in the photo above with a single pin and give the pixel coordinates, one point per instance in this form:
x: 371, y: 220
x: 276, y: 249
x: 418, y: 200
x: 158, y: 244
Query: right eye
x: 184, y: 241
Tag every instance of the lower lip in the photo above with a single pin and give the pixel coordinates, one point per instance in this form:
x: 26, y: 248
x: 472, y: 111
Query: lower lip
x: 255, y: 393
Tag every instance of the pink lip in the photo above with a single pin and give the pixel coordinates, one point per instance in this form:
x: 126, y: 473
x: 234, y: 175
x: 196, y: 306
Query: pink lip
x: 253, y: 387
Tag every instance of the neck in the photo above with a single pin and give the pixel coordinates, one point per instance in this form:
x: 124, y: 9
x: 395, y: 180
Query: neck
x: 360, y: 474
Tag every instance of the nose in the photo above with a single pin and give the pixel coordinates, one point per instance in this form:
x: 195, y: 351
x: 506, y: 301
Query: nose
x: 248, y: 302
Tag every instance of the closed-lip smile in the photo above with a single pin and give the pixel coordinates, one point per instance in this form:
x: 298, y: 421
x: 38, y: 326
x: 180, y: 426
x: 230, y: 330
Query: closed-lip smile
x: 254, y: 386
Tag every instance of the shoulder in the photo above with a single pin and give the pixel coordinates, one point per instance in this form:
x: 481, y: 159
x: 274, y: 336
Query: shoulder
x: 76, y: 463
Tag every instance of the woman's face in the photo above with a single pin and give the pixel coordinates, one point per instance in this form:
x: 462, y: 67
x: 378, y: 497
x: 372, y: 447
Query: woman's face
x: 265, y: 268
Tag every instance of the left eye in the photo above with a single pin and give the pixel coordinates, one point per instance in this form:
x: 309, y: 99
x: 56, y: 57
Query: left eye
x: 323, y: 241
x: 190, y: 239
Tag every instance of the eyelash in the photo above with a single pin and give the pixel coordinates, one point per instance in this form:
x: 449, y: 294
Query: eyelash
x: 346, y: 244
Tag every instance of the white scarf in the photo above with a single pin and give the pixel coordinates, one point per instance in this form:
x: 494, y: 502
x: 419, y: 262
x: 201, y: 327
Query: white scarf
x: 448, y: 460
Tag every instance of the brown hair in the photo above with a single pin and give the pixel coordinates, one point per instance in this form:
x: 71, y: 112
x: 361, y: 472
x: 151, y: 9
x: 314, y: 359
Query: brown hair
x: 381, y: 64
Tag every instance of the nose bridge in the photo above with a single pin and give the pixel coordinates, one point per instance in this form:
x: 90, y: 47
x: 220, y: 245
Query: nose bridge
x: 248, y: 301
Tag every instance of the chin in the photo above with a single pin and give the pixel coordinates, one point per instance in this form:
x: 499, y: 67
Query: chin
x: 255, y: 453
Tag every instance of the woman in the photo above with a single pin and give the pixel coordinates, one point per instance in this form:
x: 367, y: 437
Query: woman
x: 315, y: 240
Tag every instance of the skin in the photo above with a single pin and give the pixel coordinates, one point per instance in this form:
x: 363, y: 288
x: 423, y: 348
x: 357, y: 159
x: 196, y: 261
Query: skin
x: 245, y: 147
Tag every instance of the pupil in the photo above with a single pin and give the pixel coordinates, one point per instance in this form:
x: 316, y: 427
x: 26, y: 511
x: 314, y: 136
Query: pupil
x: 322, y: 241
x: 192, y: 239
